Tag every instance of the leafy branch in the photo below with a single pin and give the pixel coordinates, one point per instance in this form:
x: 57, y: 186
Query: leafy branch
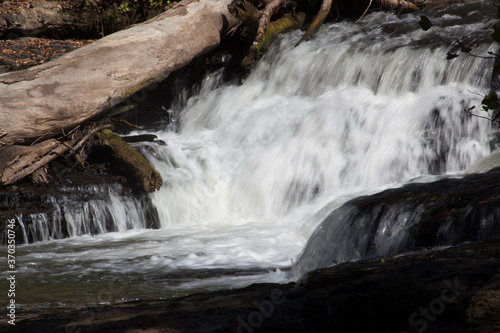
x: 491, y: 101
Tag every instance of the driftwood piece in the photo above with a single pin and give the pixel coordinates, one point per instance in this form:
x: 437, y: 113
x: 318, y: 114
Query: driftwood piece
x: 132, y: 161
x: 23, y: 155
x: 17, y: 162
x: 41, y: 101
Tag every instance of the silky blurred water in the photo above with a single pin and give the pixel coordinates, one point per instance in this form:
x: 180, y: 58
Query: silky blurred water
x: 254, y: 168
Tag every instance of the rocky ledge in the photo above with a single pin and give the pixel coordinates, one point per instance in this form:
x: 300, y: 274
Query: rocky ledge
x: 450, y: 290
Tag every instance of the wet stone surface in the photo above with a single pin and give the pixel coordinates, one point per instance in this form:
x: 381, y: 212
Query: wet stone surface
x: 450, y: 290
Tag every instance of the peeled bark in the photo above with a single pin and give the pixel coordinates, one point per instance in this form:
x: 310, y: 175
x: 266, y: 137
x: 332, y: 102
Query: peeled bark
x: 42, y: 101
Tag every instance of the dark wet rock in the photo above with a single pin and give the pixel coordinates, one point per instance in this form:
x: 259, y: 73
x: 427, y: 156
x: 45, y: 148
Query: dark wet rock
x: 41, y: 213
x: 483, y: 314
x: 415, y: 216
x: 450, y: 290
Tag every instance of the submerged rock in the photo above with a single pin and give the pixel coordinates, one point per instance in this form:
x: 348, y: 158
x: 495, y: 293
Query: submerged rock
x: 450, y: 290
x: 486, y: 164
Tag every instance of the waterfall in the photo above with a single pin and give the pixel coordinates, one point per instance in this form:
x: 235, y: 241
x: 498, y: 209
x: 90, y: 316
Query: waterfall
x: 253, y: 169
x: 362, y: 106
x: 78, y: 210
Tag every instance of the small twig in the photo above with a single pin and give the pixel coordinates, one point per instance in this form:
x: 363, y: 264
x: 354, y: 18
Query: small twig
x: 233, y: 29
x: 126, y: 123
x: 70, y: 132
x: 478, y: 116
x: 39, y: 138
x: 364, y: 13
x: 86, y: 137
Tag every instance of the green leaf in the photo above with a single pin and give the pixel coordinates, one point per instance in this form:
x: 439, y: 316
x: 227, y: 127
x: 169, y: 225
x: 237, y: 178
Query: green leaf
x: 491, y: 101
x: 450, y: 56
x: 425, y: 23
x: 496, y: 33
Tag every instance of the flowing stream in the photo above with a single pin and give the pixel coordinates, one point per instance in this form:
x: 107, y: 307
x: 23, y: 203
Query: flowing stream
x: 254, y: 168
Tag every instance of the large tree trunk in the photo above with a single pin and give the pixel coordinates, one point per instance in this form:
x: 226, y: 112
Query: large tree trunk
x: 45, y: 100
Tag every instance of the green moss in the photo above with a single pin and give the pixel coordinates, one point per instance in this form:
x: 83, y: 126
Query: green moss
x: 284, y: 24
x: 133, y: 162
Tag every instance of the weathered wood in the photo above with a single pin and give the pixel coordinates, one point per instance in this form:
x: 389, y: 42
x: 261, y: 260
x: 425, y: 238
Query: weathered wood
x: 247, y: 13
x: 17, y: 162
x: 41, y: 176
x: 41, y: 101
x: 15, y: 154
x: 265, y: 18
x: 28, y: 164
x: 132, y: 161
x: 258, y: 22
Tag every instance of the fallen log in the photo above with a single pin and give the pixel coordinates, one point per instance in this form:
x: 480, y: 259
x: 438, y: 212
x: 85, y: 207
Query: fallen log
x: 48, y: 100
x: 132, y: 161
x: 43, y: 101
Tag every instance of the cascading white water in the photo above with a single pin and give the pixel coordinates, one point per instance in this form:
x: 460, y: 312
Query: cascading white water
x: 355, y: 109
x: 255, y: 168
x: 76, y: 211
